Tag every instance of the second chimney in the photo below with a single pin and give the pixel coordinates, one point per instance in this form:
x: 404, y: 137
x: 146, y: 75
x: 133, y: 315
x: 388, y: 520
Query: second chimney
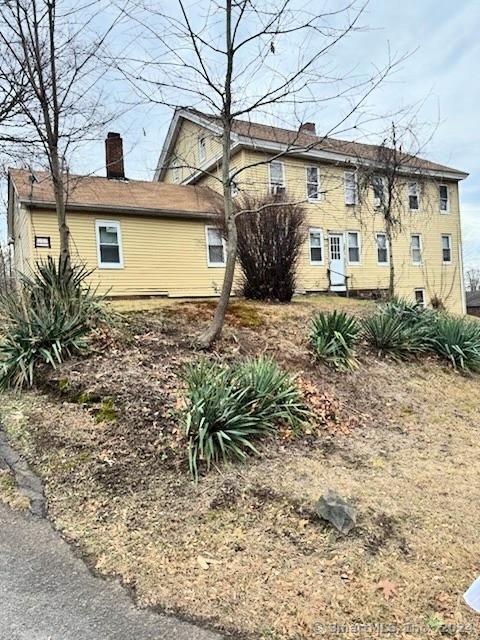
x: 308, y: 127
x: 114, y: 156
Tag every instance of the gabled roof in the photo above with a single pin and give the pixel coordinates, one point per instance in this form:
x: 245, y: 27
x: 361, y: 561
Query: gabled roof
x: 274, y: 139
x: 93, y: 193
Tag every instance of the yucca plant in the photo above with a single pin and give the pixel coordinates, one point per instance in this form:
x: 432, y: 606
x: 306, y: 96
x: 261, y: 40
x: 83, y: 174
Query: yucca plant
x: 229, y: 407
x: 394, y: 335
x: 333, y: 336
x: 45, y: 320
x: 409, y: 312
x: 457, y: 340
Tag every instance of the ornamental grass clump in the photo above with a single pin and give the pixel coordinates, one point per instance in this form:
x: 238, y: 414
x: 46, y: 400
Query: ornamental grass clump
x: 332, y: 338
x: 457, y: 340
x: 45, y: 320
x: 229, y: 407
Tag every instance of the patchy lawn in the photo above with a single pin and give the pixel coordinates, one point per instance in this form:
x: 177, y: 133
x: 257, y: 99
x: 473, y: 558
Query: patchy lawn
x: 243, y: 551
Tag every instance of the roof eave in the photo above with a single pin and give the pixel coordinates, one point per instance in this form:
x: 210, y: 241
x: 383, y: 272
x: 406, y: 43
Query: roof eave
x: 123, y: 210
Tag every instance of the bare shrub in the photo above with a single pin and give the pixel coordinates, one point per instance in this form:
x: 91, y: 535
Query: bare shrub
x: 271, y: 233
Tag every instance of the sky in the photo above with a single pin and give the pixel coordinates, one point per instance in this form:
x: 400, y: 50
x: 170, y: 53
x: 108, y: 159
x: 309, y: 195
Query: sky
x: 439, y: 76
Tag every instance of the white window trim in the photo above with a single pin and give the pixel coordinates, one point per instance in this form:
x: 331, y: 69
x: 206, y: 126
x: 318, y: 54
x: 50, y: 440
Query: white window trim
x: 420, y: 246
x: 449, y: 236
x: 355, y: 195
x: 319, y: 194
x: 359, y: 247
x: 424, y: 303
x: 387, y: 263
x: 214, y: 264
x: 202, y: 149
x: 320, y: 231
x: 270, y: 184
x: 109, y: 223
x: 418, y: 195
x: 447, y: 210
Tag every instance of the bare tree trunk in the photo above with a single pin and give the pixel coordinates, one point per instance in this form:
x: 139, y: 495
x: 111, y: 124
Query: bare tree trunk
x: 213, y: 332
x: 391, y: 282
x: 63, y: 229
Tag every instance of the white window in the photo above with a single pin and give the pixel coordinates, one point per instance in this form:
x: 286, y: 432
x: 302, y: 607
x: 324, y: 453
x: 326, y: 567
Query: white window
x: 378, y: 186
x: 413, y: 200
x: 447, y: 248
x: 416, y: 245
x: 443, y: 195
x: 316, y: 246
x: 175, y: 171
x: 276, y: 177
x: 313, y: 183
x: 353, y: 245
x: 109, y: 244
x: 350, y: 182
x: 202, y: 147
x: 420, y: 297
x: 215, y: 247
x: 382, y: 248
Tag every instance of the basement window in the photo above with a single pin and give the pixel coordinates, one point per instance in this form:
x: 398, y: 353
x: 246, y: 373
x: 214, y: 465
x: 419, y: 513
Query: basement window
x: 420, y: 297
x: 109, y: 244
x: 215, y: 247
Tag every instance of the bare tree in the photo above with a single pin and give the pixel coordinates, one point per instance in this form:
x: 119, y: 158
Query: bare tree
x: 472, y: 279
x: 240, y: 58
x: 49, y: 61
x: 389, y: 175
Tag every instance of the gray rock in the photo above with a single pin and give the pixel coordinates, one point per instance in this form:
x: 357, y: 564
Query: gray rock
x: 337, y: 511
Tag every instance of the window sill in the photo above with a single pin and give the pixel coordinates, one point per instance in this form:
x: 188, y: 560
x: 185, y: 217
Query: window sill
x: 110, y: 266
x: 216, y: 265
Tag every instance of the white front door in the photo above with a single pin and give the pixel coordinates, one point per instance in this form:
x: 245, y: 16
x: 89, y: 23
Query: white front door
x: 337, y: 262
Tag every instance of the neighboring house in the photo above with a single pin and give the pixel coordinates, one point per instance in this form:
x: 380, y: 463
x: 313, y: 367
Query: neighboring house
x: 473, y: 303
x: 346, y: 243
x: 140, y: 238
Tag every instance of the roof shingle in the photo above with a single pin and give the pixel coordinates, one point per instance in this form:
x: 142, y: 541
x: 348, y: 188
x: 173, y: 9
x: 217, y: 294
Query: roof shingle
x: 35, y: 187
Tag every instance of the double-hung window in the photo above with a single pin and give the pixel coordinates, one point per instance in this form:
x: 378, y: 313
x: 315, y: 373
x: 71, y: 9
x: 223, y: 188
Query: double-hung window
x: 446, y: 248
x: 109, y: 244
x: 382, y: 248
x: 276, y: 177
x: 350, y: 183
x: 316, y: 246
x: 413, y: 197
x: 215, y: 247
x: 313, y: 183
x: 202, y: 148
x: 353, y: 245
x: 416, y: 248
x: 443, y: 195
x: 378, y: 186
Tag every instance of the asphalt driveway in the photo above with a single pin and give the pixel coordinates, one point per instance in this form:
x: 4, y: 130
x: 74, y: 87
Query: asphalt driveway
x: 46, y: 593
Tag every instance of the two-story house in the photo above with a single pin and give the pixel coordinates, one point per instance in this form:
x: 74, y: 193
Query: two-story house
x: 347, y: 244
x: 162, y: 238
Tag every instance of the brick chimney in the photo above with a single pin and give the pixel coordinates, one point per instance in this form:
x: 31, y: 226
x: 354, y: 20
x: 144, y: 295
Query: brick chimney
x: 114, y: 156
x: 308, y: 127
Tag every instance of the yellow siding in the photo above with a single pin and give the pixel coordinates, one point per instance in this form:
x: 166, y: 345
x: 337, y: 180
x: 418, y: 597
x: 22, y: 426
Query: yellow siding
x: 186, y: 153
x: 23, y: 238
x: 160, y: 256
